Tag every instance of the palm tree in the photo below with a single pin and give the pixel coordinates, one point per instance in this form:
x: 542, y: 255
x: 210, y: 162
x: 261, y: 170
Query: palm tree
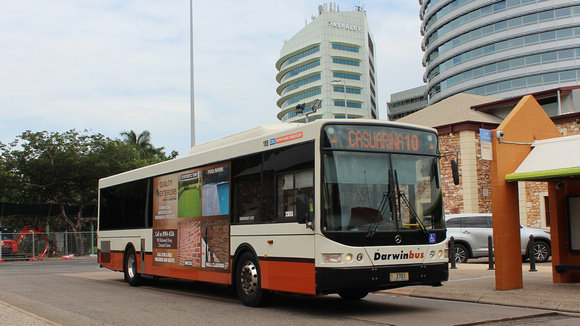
x: 142, y: 144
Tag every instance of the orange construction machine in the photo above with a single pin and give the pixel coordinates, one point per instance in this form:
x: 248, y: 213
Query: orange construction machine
x: 10, y: 244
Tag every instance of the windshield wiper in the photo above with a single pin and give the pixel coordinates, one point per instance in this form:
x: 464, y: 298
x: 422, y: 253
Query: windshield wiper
x: 380, y: 213
x: 414, y: 214
x: 387, y: 200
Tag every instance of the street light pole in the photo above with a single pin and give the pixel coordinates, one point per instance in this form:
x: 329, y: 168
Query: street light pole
x: 192, y: 95
x: 344, y: 88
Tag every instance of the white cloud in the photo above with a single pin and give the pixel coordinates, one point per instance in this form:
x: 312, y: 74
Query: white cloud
x: 110, y: 66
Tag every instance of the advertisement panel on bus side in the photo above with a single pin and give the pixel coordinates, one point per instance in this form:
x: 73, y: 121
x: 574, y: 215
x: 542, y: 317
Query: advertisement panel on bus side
x: 191, y: 223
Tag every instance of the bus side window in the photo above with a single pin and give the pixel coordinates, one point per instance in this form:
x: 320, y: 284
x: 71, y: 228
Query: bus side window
x: 255, y: 181
x: 246, y: 189
x: 126, y: 206
x: 269, y: 196
x: 290, y: 185
x: 247, y: 193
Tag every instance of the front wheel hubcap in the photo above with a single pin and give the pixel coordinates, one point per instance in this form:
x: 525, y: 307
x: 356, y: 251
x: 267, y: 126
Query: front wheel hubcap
x: 249, y: 278
x: 131, y: 262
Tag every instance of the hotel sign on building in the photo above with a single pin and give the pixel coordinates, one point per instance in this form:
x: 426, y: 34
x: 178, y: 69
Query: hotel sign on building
x: 344, y: 26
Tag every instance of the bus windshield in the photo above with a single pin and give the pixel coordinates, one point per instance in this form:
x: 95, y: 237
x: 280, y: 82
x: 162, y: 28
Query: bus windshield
x: 374, y: 192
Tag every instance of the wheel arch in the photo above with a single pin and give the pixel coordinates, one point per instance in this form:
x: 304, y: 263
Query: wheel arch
x: 128, y: 246
x: 242, y: 248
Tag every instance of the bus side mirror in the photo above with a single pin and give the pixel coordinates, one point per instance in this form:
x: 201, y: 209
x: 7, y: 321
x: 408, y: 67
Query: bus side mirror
x: 303, y: 211
x: 455, y: 171
x: 435, y: 173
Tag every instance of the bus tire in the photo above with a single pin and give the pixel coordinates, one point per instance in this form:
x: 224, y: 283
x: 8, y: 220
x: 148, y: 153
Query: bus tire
x: 249, y: 283
x: 353, y: 295
x: 131, y: 275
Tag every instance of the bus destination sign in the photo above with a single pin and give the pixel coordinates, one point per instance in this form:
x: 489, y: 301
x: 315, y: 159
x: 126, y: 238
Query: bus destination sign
x: 380, y: 139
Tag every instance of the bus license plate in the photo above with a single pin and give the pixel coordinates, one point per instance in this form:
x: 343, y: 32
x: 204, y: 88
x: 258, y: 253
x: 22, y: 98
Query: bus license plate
x: 399, y: 277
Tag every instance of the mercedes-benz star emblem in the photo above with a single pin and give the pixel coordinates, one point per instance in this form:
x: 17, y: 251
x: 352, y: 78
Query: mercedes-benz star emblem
x: 398, y: 239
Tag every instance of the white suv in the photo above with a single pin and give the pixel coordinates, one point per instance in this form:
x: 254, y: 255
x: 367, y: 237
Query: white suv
x: 471, y: 232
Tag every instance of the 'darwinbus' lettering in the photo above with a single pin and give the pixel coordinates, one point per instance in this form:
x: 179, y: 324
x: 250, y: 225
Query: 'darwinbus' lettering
x: 400, y: 256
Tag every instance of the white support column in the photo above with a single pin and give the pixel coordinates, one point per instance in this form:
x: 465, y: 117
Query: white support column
x: 522, y: 202
x: 469, y: 171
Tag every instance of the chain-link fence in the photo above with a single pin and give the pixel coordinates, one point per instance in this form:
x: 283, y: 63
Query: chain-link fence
x: 42, y: 245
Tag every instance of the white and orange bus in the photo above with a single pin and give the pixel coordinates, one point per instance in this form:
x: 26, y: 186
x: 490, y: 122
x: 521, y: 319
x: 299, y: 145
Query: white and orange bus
x: 332, y: 206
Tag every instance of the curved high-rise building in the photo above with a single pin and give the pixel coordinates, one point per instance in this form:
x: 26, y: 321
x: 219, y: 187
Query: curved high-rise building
x: 499, y: 48
x: 330, y: 59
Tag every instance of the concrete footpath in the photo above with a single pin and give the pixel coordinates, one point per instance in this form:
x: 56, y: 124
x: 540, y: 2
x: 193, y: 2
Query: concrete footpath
x: 11, y: 315
x: 473, y: 282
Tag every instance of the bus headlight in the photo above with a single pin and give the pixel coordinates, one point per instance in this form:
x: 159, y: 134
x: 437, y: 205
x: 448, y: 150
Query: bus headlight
x: 348, y: 258
x: 440, y: 253
x: 432, y: 253
x: 359, y: 257
x: 332, y: 258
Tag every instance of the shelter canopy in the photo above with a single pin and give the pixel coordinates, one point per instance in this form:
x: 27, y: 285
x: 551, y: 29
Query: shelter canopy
x: 554, y: 158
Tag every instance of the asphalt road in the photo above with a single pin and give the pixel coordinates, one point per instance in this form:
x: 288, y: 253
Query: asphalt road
x: 77, y: 292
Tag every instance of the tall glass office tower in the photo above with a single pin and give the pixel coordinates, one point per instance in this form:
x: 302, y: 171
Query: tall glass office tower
x: 331, y: 59
x: 499, y: 48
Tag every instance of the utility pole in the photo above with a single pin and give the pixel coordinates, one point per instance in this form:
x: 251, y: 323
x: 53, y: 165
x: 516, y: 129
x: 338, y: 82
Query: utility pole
x: 192, y: 97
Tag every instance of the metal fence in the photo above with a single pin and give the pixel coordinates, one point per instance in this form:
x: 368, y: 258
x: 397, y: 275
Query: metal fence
x: 39, y: 245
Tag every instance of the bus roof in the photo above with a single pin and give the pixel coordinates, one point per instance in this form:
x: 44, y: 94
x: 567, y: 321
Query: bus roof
x: 242, y: 136
x: 239, y: 144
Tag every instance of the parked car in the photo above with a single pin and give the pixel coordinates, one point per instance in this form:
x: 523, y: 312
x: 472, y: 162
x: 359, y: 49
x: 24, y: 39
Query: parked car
x: 471, y: 232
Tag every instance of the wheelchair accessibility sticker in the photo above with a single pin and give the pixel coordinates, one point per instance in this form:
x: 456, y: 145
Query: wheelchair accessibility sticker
x: 432, y: 238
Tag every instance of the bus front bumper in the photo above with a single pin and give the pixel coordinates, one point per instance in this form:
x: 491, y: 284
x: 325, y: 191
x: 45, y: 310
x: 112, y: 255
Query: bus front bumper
x: 335, y: 280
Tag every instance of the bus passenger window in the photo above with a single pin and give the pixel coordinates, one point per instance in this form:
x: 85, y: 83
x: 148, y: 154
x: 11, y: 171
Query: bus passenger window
x: 247, y: 195
x: 246, y: 181
x: 291, y: 185
x: 269, y: 196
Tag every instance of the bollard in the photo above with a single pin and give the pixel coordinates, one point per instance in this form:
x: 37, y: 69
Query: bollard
x: 490, y: 252
x: 32, y: 235
x: 532, y: 254
x: 452, y: 253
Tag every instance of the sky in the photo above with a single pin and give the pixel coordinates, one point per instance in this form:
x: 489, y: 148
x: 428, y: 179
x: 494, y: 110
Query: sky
x: 109, y: 66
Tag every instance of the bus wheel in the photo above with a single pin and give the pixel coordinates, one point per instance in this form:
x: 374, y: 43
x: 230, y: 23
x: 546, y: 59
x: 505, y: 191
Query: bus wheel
x: 131, y: 275
x: 353, y: 295
x: 248, y: 283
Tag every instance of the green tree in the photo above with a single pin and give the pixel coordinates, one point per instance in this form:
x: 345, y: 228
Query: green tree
x: 142, y: 144
x: 64, y: 169
x: 10, y: 189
